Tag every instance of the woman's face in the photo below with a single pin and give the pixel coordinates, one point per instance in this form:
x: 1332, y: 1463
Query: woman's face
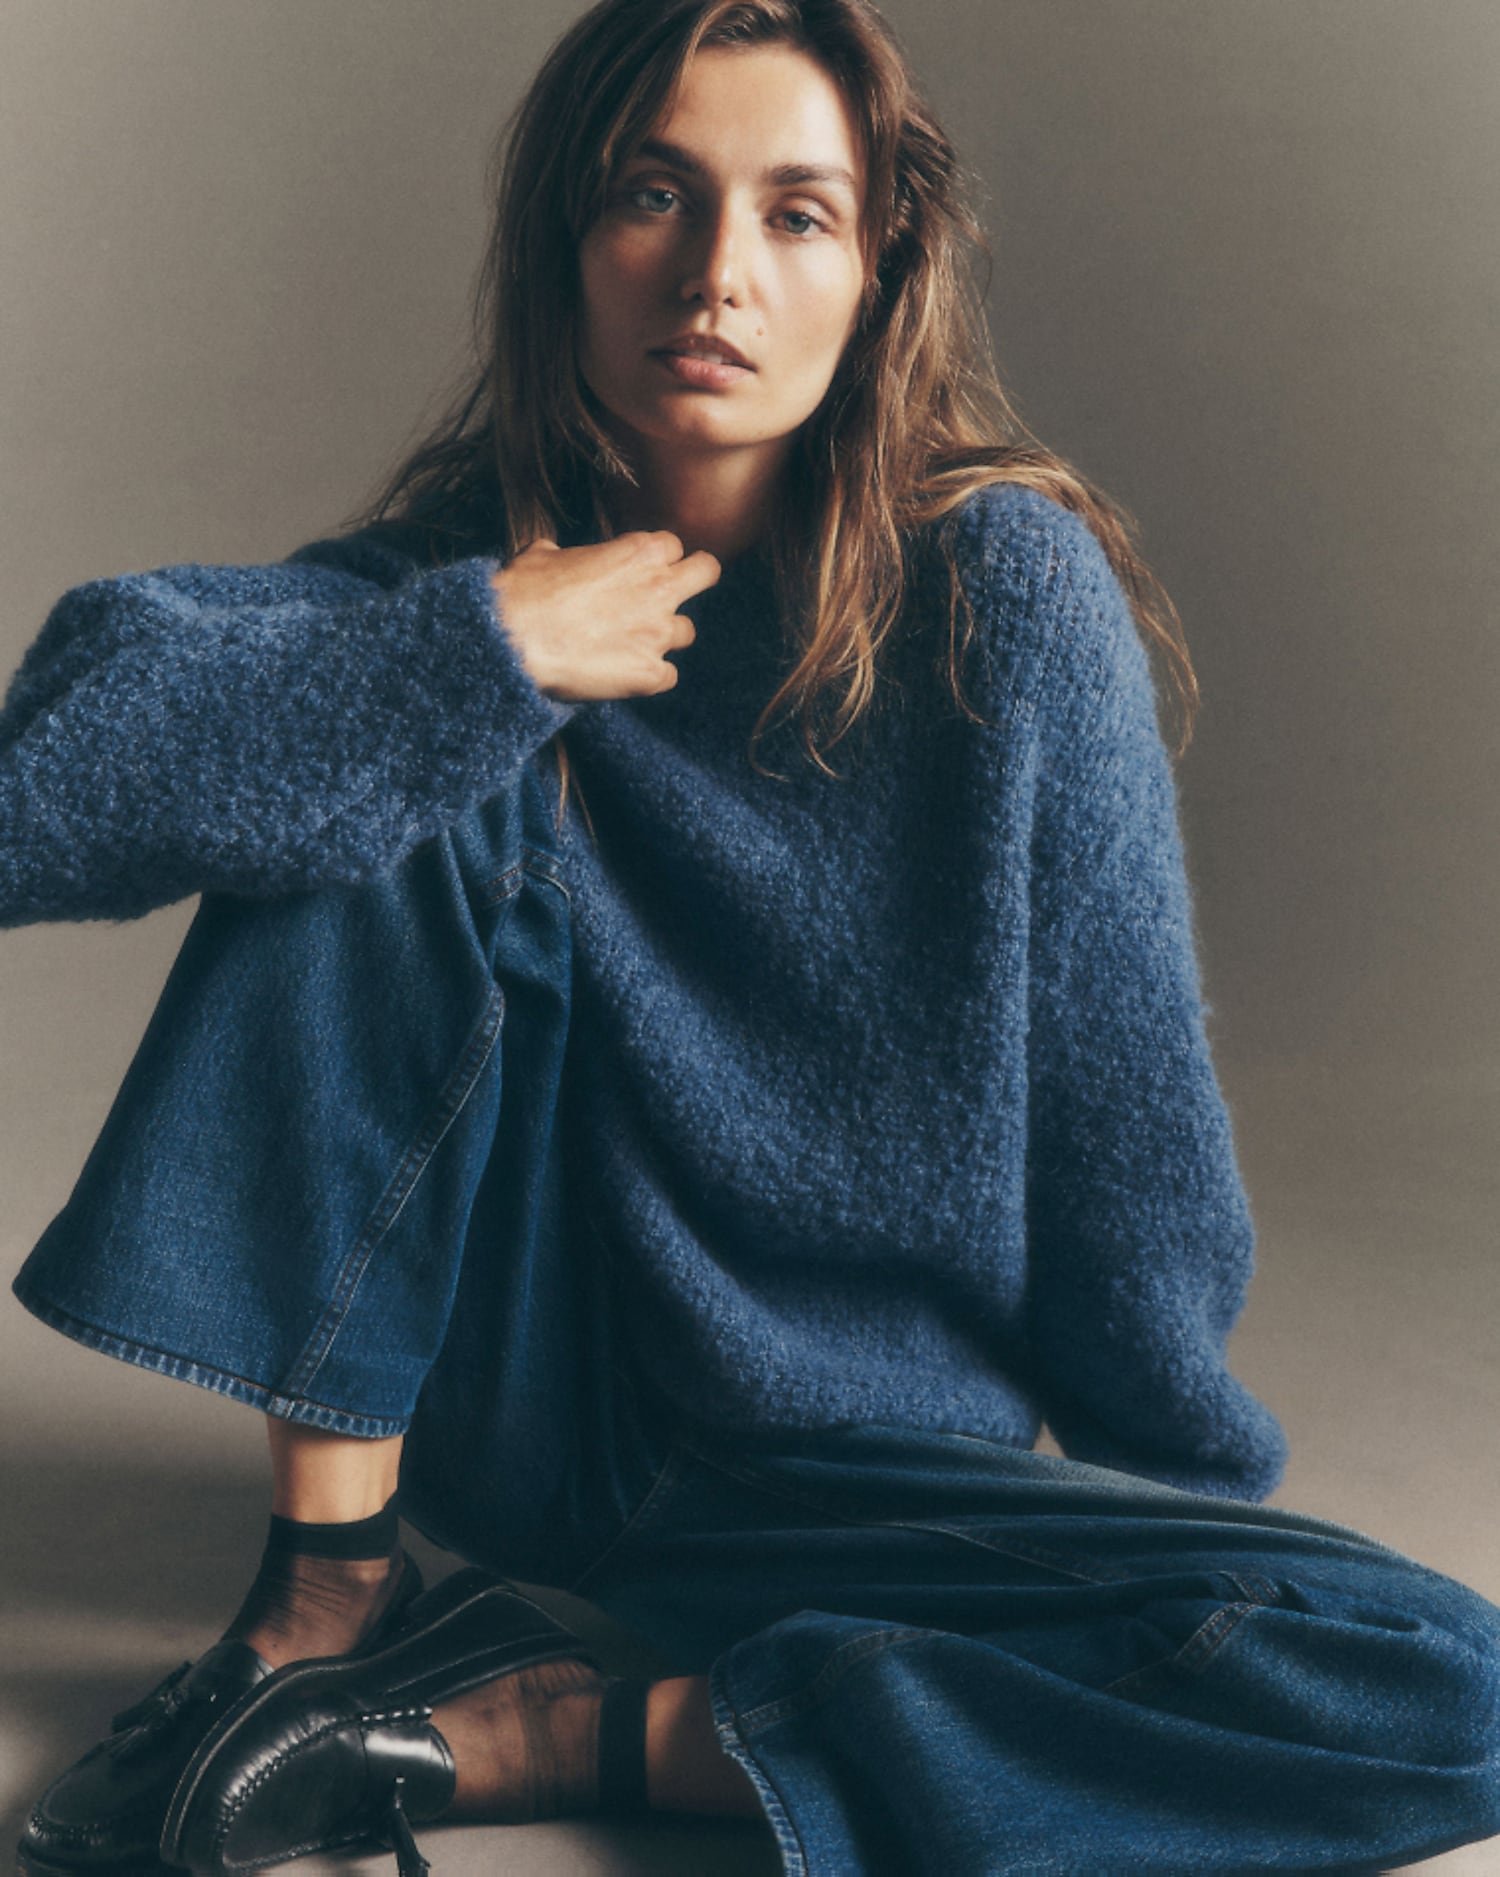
x: 736, y: 225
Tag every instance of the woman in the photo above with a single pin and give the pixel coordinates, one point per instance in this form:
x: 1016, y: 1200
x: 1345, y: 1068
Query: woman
x: 692, y: 1121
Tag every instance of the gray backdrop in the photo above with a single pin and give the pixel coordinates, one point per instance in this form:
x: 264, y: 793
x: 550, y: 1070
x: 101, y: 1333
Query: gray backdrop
x: 1248, y: 277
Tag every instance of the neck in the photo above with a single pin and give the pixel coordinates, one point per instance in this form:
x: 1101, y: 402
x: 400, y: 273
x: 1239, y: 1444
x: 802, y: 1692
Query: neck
x: 720, y: 502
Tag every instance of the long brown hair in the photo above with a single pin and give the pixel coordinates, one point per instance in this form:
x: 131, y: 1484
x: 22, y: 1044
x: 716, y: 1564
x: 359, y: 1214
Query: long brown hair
x: 915, y: 420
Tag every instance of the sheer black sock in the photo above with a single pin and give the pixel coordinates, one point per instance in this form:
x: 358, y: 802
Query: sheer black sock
x: 321, y: 1589
x: 547, y: 1742
x: 622, y: 1747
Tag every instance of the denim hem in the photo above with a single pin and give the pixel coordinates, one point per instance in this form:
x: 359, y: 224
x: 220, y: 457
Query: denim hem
x: 204, y: 1375
x: 732, y: 1739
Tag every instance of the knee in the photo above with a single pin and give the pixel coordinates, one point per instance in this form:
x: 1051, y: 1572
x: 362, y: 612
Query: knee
x: 1421, y: 1692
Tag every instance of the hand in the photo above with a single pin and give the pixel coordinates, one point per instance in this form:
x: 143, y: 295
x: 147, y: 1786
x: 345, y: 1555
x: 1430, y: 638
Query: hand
x: 598, y: 621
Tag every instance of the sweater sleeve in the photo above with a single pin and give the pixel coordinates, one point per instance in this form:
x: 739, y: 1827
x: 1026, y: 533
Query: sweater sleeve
x: 1140, y: 1240
x: 255, y: 730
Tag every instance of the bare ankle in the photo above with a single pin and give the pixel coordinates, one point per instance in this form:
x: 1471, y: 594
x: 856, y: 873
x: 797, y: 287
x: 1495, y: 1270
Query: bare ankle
x: 318, y: 1476
x: 686, y: 1768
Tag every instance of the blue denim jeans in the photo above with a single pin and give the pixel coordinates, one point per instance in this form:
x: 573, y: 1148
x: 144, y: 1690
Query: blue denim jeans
x: 333, y: 1186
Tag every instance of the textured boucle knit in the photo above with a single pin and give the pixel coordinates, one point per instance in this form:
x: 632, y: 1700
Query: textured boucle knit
x: 889, y: 1091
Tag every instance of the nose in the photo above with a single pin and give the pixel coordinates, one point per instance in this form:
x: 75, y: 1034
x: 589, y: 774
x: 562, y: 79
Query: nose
x: 716, y: 270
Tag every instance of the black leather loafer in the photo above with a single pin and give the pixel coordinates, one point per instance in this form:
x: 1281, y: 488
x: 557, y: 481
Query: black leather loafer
x: 326, y: 1755
x: 105, y: 1814
x: 107, y: 1810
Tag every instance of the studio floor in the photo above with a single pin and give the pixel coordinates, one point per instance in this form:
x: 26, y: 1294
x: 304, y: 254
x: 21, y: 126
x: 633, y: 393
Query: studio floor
x: 132, y: 1504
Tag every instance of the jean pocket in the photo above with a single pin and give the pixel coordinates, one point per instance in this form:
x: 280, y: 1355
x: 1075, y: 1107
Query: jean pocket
x: 1177, y: 1633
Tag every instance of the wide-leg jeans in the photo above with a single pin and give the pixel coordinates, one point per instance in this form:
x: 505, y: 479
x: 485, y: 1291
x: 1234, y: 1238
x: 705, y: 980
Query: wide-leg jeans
x: 333, y: 1186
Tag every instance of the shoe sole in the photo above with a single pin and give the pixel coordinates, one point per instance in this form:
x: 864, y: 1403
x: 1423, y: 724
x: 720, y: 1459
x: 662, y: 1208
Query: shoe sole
x: 29, y: 1865
x: 468, y: 1588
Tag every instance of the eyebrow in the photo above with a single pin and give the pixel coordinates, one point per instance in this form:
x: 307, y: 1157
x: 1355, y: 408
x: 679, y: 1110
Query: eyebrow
x: 784, y: 175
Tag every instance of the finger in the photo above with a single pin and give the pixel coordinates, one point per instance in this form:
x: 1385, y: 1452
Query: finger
x: 656, y: 544
x: 682, y: 632
x: 696, y: 573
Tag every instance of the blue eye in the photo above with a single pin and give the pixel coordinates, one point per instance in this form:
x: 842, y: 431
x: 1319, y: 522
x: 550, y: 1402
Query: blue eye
x: 664, y: 198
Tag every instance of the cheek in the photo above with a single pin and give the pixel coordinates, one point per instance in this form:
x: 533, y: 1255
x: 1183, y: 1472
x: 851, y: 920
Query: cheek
x: 592, y: 280
x: 830, y: 321
x: 605, y: 288
x: 824, y: 299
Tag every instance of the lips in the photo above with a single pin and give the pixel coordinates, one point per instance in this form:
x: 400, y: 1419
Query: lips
x: 705, y: 346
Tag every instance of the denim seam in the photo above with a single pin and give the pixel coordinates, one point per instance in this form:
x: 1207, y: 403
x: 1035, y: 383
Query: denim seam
x: 1024, y: 1554
x: 204, y: 1375
x: 730, y: 1730
x: 847, y: 1656
x: 545, y: 866
x: 1204, y: 1643
x: 535, y: 861
x: 503, y: 886
x: 388, y: 1208
x: 650, y: 1505
x: 1255, y: 1588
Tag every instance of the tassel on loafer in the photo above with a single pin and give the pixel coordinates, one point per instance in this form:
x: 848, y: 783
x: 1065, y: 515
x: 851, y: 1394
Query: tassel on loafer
x: 104, y: 1815
x: 106, y: 1811
x: 328, y: 1755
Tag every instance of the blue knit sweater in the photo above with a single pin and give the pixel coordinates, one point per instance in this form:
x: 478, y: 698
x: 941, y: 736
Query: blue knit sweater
x: 903, y: 1108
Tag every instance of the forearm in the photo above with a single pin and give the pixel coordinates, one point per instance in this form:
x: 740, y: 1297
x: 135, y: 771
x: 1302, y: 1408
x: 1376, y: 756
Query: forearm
x: 252, y: 730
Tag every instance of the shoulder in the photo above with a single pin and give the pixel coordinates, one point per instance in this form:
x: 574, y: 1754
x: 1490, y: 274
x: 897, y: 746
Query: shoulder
x: 1047, y: 604
x: 384, y: 553
x: 431, y: 532
x: 1016, y: 534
